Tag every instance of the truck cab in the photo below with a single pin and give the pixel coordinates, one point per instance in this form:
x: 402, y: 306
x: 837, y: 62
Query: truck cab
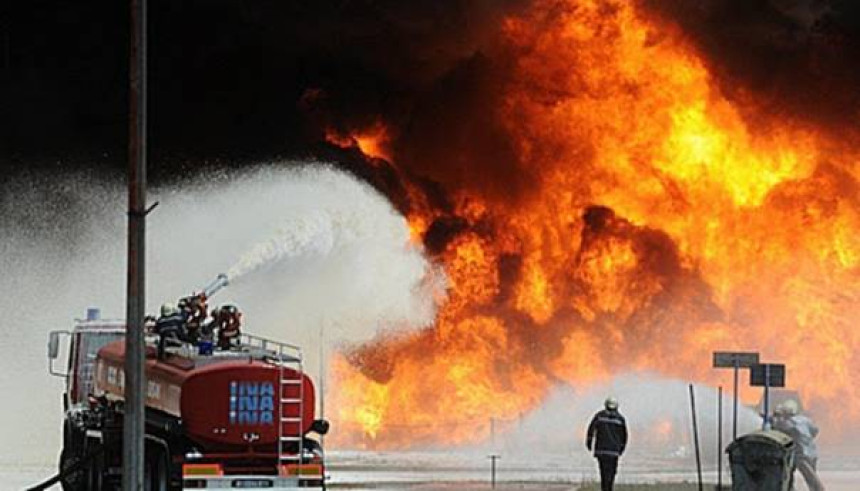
x: 82, y: 344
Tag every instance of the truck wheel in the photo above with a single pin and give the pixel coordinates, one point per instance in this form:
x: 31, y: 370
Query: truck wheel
x: 76, y: 481
x: 155, y: 471
x: 96, y: 473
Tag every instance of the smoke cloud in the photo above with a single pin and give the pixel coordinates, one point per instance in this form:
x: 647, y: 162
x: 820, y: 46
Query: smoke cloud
x: 789, y: 57
x: 63, y: 250
x: 657, y: 411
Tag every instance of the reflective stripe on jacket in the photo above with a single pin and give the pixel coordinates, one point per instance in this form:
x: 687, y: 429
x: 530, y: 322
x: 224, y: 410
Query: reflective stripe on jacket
x: 170, y: 325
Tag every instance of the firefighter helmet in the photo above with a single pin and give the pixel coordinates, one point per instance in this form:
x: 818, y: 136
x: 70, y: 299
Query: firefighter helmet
x: 168, y: 309
x: 611, y: 403
x: 790, y: 407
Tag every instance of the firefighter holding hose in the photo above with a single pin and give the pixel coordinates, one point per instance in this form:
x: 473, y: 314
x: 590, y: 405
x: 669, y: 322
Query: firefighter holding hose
x: 228, y: 320
x: 195, y: 311
x: 803, y: 431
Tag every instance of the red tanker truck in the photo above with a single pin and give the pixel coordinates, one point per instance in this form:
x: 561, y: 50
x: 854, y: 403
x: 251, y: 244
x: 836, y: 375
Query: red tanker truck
x: 236, y: 418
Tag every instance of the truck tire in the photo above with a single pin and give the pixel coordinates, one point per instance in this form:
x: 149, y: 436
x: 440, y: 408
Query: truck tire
x: 96, y: 473
x: 74, y: 449
x: 76, y: 481
x: 155, y: 470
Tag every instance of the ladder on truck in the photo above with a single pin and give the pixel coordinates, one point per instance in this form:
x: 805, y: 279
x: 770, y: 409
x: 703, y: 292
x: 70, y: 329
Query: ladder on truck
x: 291, y: 397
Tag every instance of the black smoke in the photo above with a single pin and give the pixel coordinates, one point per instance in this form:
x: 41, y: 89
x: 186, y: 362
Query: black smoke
x: 793, y: 58
x: 234, y: 82
x: 229, y: 79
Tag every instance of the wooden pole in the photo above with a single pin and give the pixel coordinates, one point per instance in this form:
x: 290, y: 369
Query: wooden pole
x: 133, y: 417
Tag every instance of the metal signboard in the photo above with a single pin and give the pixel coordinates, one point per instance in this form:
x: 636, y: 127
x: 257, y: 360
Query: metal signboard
x: 730, y: 359
x: 767, y: 375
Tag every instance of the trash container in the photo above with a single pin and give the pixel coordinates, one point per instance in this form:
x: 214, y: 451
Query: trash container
x: 762, y: 461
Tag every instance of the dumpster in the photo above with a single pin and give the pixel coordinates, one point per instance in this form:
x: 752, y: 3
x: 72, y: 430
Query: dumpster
x: 762, y: 461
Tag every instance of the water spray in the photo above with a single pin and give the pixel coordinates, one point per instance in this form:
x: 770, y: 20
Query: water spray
x: 308, y: 234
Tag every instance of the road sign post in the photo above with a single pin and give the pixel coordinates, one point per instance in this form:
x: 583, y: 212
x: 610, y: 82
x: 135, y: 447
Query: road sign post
x: 720, y: 438
x: 735, y: 360
x: 767, y: 375
x: 493, y: 458
x: 696, y: 436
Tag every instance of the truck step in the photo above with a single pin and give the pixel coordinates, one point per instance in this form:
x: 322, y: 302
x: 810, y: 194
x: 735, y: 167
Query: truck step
x: 291, y: 438
x: 290, y: 401
x: 286, y: 419
x: 291, y: 382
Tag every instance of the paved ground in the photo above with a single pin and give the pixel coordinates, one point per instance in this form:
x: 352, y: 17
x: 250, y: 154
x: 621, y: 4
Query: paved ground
x: 471, y: 471
x: 361, y: 471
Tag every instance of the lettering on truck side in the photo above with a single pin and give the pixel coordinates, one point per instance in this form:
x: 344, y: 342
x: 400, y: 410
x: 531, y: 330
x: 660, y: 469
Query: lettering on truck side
x: 114, y: 377
x: 252, y: 403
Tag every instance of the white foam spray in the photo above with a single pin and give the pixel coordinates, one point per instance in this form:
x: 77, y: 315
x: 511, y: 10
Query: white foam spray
x: 316, y: 249
x: 297, y: 236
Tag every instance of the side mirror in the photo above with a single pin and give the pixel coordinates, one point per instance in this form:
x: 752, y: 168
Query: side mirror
x: 54, y: 345
x: 54, y: 351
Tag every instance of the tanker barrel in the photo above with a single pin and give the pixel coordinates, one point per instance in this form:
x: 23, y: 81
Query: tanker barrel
x: 217, y: 284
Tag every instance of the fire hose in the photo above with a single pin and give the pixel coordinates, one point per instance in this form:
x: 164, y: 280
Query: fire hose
x: 79, y: 465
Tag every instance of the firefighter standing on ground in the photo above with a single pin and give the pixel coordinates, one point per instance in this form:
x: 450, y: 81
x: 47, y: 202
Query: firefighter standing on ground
x: 803, y: 431
x: 607, y: 435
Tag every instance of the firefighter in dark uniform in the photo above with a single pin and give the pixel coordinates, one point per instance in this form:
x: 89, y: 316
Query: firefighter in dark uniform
x: 228, y: 320
x: 609, y: 430
x: 170, y: 326
x: 195, y: 311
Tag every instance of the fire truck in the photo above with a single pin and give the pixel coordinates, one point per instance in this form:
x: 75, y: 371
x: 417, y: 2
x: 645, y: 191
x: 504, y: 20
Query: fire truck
x: 241, y: 417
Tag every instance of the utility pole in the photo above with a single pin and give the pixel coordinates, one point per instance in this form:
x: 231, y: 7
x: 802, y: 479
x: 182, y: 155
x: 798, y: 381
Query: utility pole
x: 133, y: 420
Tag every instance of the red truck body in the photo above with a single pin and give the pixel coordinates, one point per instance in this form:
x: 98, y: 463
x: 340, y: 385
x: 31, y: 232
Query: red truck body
x: 232, y: 418
x: 218, y: 401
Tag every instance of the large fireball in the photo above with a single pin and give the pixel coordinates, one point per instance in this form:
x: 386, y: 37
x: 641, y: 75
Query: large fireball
x: 658, y: 220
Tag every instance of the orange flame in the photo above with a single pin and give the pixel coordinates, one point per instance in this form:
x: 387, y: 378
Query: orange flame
x: 666, y: 222
x: 373, y: 141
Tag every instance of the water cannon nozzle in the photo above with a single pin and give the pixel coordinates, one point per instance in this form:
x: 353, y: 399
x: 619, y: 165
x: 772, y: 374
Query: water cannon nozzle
x: 217, y: 284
